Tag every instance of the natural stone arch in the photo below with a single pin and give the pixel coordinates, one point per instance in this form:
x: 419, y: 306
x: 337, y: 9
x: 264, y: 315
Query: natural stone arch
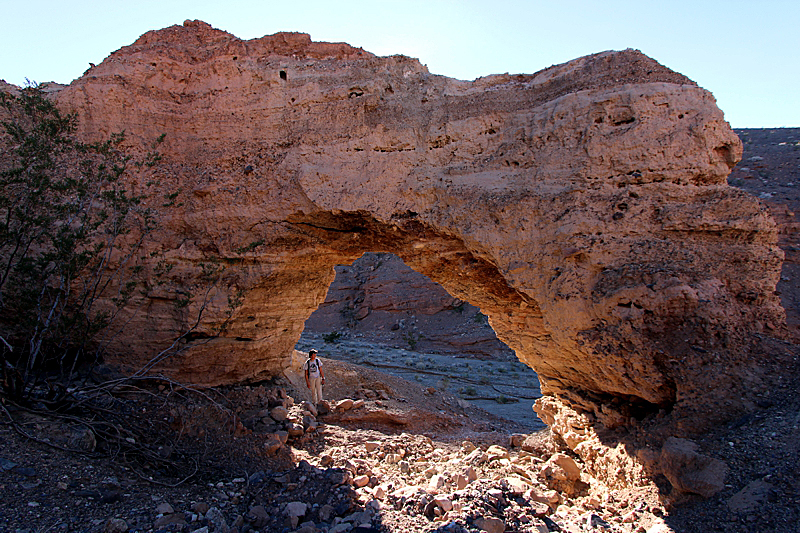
x: 583, y: 208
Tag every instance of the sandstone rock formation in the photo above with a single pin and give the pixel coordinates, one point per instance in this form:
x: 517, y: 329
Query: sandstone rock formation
x: 584, y: 209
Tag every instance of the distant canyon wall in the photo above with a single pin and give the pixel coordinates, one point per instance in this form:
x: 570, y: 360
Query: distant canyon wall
x: 380, y: 299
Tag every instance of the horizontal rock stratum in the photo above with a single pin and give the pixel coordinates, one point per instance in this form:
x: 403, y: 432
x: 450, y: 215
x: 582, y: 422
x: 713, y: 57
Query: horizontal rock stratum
x: 583, y: 208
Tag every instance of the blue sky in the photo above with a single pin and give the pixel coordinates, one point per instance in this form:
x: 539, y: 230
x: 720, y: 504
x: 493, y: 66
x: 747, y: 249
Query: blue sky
x: 747, y: 53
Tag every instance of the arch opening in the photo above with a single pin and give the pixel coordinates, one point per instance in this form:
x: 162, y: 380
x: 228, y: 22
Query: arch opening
x: 552, y: 347
x: 379, y: 313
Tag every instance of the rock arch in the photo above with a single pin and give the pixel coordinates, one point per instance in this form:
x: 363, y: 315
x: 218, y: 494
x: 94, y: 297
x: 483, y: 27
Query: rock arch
x: 583, y: 208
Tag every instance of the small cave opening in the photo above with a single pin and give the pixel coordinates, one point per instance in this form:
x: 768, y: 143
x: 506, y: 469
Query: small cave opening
x: 384, y: 321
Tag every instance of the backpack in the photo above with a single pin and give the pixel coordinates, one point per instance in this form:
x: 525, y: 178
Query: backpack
x: 311, y: 367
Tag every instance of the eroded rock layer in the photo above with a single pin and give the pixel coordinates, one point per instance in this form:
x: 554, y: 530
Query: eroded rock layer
x: 584, y: 209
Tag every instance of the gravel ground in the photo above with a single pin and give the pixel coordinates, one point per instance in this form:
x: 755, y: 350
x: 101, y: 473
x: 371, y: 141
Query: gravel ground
x: 506, y: 389
x: 238, y: 488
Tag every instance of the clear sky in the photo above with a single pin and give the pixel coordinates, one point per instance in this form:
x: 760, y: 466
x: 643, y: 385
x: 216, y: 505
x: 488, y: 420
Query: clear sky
x: 746, y: 52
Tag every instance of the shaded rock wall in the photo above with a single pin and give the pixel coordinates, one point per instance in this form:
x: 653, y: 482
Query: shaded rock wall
x: 770, y: 170
x: 584, y: 209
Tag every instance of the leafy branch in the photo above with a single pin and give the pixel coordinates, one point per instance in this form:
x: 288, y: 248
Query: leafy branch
x: 70, y: 232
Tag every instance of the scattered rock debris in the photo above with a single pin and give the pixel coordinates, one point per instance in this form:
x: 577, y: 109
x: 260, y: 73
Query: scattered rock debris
x: 291, y: 466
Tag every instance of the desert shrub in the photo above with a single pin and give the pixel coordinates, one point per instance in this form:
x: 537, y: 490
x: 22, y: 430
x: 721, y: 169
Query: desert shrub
x: 412, y: 339
x: 502, y: 399
x: 69, y: 235
x: 331, y: 337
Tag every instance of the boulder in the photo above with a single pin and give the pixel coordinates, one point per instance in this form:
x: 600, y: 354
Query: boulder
x: 164, y: 508
x: 279, y: 413
x: 323, y: 408
x: 436, y: 482
x: 326, y: 512
x: 310, y: 423
x: 496, y: 452
x: 217, y: 519
x: 272, y: 445
x: 690, y: 471
x: 115, y: 525
x: 165, y: 520
x: 516, y: 440
x: 344, y: 405
x: 309, y: 408
x: 257, y: 516
x: 563, y: 474
x: 476, y: 456
x: 490, y: 524
x: 444, y: 503
x: 295, y: 511
x: 516, y: 485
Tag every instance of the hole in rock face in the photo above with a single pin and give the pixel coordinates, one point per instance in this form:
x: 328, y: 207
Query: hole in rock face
x: 283, y: 74
x: 384, y: 317
x: 727, y: 154
x: 623, y: 121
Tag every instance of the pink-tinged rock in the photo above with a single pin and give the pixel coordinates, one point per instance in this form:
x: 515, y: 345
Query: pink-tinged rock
x: 690, y: 471
x: 490, y: 525
x: 436, y: 482
x: 444, y: 503
x: 496, y: 452
x: 344, y: 405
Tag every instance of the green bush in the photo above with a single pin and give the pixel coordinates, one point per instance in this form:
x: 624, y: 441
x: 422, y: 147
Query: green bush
x: 412, y: 339
x: 70, y: 233
x: 332, y: 337
x: 502, y: 399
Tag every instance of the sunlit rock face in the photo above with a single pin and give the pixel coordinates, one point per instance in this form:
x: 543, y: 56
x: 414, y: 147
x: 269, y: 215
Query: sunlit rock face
x: 583, y: 208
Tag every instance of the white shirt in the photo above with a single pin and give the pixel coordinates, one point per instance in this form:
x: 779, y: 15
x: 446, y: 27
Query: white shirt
x: 313, y: 368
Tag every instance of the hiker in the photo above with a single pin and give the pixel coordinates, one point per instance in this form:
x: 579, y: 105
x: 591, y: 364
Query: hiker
x: 315, y: 377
